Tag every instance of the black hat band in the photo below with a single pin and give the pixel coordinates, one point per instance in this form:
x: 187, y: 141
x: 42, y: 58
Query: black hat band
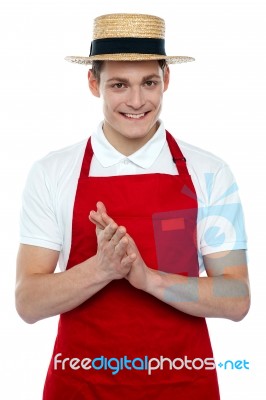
x: 127, y: 45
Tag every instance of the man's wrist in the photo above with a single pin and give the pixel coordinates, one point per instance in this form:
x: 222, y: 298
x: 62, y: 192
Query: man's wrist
x: 153, y: 280
x: 94, y: 274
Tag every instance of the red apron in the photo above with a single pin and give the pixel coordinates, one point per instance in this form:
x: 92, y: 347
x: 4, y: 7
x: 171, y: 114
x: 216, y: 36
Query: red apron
x: 113, y: 336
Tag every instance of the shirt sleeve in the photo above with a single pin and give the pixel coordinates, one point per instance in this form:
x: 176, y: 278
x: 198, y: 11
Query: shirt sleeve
x: 38, y: 222
x: 220, y: 216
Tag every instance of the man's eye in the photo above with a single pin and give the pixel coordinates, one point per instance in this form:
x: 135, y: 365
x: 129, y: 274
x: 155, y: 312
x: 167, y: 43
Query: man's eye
x: 118, y: 85
x: 150, y: 83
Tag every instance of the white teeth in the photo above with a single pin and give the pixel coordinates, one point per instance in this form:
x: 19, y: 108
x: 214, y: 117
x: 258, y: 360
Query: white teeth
x: 135, y: 116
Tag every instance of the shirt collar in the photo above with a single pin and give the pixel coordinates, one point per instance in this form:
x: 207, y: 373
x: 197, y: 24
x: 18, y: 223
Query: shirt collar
x: 108, y: 156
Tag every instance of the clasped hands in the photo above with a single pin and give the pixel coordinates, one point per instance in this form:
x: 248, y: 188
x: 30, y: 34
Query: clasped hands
x: 117, y: 254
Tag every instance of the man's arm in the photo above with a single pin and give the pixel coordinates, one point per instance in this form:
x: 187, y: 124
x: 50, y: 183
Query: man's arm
x: 224, y: 293
x: 41, y: 293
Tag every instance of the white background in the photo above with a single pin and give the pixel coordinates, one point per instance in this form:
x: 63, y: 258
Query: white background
x: 217, y: 103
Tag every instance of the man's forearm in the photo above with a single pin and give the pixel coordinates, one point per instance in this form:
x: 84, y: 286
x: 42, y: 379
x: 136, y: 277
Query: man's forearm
x: 218, y: 296
x: 41, y: 293
x: 45, y: 295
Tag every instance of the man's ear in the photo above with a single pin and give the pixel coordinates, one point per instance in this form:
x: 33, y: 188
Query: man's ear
x: 166, y: 77
x: 93, y: 84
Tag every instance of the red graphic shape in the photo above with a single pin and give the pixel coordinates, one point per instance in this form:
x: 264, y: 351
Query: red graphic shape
x: 173, y: 224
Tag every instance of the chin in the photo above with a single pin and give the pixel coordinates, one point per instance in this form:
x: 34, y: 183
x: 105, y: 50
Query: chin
x: 136, y: 135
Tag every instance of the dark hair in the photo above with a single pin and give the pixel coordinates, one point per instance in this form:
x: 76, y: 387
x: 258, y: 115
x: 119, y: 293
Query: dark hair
x: 97, y: 66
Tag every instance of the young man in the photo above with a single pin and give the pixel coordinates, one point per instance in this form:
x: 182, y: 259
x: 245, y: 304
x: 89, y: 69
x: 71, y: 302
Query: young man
x: 133, y: 216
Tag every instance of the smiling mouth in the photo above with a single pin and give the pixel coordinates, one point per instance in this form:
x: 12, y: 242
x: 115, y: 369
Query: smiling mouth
x: 134, y: 116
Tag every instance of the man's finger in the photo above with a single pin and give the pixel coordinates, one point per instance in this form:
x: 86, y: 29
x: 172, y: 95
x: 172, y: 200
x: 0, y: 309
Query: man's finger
x: 106, y: 219
x: 121, y: 247
x: 109, y: 231
x: 128, y: 260
x: 96, y: 219
x: 100, y: 207
x: 119, y: 234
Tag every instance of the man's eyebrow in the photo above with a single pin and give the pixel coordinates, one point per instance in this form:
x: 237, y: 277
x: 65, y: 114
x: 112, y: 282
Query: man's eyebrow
x: 118, y: 79
x: 124, y: 80
x: 150, y: 77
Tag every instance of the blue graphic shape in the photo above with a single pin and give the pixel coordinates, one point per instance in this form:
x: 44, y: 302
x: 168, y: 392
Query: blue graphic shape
x: 233, y: 213
x: 209, y: 182
x: 213, y: 237
x: 209, y: 179
x: 232, y: 189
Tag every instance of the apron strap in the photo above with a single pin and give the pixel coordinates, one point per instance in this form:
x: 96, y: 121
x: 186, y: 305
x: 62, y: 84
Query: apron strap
x: 86, y: 160
x: 177, y: 155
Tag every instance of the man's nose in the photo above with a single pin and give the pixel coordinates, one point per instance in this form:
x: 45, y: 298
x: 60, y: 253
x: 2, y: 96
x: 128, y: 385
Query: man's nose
x: 135, y: 98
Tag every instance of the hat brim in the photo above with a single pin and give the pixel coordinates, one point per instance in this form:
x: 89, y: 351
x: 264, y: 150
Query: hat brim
x: 128, y: 57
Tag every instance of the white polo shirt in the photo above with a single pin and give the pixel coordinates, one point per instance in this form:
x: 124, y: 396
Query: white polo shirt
x: 49, y: 194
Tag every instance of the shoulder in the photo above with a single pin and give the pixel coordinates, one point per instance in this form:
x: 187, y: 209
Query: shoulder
x: 201, y: 160
x: 62, y: 157
x: 60, y: 163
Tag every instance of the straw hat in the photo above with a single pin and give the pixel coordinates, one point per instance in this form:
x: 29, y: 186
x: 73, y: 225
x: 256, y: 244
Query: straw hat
x: 128, y: 37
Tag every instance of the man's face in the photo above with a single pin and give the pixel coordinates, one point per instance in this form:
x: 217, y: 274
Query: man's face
x: 132, y: 94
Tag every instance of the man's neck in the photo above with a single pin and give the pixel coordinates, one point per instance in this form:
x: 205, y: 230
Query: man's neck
x: 127, y: 145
